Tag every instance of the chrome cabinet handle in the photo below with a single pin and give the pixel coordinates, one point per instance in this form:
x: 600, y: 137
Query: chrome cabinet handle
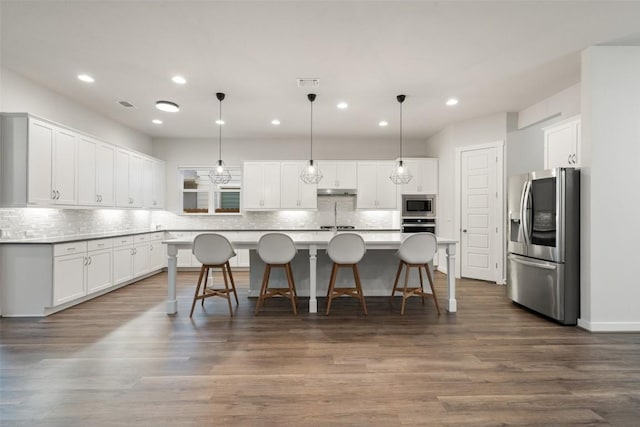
x: 90, y: 260
x: 464, y: 230
x: 53, y: 194
x: 569, y: 159
x: 58, y: 193
x: 84, y: 262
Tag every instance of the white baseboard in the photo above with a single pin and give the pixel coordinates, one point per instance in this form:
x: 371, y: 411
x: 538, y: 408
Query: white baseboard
x: 609, y: 326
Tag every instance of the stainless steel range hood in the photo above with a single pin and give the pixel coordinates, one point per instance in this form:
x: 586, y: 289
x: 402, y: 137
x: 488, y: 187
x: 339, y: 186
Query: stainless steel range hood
x: 337, y: 192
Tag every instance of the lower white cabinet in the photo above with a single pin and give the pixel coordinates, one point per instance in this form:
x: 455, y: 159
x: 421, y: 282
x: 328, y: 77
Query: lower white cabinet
x: 69, y: 272
x: 99, y: 270
x: 157, y: 256
x: 122, y: 259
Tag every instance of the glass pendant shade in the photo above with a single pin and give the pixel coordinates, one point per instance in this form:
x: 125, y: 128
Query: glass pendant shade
x: 401, y: 174
x: 311, y: 174
x: 220, y: 174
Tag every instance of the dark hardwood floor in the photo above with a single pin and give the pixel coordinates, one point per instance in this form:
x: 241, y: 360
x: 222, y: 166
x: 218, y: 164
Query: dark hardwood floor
x: 120, y: 360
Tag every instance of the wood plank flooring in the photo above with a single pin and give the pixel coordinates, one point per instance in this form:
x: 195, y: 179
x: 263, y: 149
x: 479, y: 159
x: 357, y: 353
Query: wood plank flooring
x: 120, y: 360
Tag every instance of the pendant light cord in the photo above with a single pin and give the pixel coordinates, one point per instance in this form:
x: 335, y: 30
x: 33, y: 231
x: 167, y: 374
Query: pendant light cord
x: 401, y: 131
x: 311, y: 133
x: 220, y: 133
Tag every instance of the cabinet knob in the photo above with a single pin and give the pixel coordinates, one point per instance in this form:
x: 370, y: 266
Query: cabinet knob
x: 464, y: 230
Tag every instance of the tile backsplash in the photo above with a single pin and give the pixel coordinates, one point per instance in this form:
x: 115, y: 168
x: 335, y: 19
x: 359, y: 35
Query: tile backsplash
x: 26, y: 223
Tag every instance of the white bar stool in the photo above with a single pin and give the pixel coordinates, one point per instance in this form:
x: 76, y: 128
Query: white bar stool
x: 416, y: 251
x: 346, y: 250
x: 213, y: 251
x: 277, y: 250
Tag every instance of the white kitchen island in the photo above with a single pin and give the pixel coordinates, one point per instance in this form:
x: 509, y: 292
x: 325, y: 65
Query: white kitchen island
x: 311, y: 242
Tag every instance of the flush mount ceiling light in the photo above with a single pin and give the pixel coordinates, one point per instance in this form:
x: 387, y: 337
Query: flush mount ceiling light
x: 401, y: 174
x: 311, y: 174
x: 383, y: 123
x: 167, y: 106
x: 179, y: 80
x: 220, y: 174
x: 86, y: 78
x: 219, y: 122
x: 342, y: 105
x: 275, y: 122
x: 451, y: 102
x: 156, y: 122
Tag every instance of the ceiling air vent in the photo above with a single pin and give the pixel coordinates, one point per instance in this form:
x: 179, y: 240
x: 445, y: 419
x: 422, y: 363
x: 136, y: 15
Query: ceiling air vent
x: 308, y: 82
x: 126, y: 104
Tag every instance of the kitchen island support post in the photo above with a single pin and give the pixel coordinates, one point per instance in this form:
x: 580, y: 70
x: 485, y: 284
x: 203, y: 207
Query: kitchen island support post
x: 172, y: 272
x: 313, y: 261
x: 452, y: 303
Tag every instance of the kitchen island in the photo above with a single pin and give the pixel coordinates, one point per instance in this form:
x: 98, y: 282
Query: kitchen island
x: 380, y: 248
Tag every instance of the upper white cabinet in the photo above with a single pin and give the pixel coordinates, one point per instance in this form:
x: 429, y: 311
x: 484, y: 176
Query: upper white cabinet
x: 261, y: 185
x: 562, y: 144
x: 46, y: 164
x: 338, y: 175
x: 425, y: 176
x: 294, y: 193
x: 375, y: 189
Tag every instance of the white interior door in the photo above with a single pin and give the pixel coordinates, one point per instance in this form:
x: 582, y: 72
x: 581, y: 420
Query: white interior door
x: 478, y: 223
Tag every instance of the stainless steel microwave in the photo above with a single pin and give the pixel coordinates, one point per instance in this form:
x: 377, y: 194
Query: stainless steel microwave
x: 418, y: 205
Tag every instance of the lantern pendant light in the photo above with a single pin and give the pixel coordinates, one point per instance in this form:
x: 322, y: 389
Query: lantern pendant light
x: 311, y: 174
x: 401, y: 174
x: 220, y: 174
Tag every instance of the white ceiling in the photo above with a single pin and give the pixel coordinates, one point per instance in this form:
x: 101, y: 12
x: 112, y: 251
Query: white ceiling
x: 493, y: 56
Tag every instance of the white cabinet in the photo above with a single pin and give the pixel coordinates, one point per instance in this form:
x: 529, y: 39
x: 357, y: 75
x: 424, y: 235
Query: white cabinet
x: 152, y: 183
x: 140, y: 257
x: 261, y: 185
x: 51, y: 164
x: 69, y: 272
x: 106, y: 163
x: 122, y: 259
x: 294, y: 193
x: 96, y: 162
x: 562, y: 144
x: 157, y: 256
x: 425, y: 176
x: 99, y: 265
x: 159, y: 184
x: 128, y: 179
x: 375, y: 189
x: 338, y: 175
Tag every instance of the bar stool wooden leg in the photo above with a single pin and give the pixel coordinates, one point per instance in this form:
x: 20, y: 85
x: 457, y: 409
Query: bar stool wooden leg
x: 195, y: 297
x: 233, y: 283
x: 263, y: 288
x: 421, y: 285
x: 395, y: 283
x: 204, y: 285
x: 356, y: 275
x: 433, y: 289
x: 332, y: 284
x: 227, y: 290
x: 290, y: 271
x: 292, y: 288
x: 404, y: 292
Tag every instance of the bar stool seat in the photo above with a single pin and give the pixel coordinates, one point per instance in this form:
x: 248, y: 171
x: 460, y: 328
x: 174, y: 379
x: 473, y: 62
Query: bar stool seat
x: 346, y: 250
x: 416, y: 251
x: 277, y: 250
x: 213, y: 251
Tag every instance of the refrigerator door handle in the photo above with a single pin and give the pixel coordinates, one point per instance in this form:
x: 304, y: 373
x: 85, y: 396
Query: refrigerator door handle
x: 523, y: 211
x: 532, y: 264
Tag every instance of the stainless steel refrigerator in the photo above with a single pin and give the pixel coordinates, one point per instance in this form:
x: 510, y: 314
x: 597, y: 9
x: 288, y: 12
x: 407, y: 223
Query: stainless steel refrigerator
x: 543, y: 261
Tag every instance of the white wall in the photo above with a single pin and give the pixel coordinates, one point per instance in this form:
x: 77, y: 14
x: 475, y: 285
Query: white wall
x: 20, y: 95
x: 610, y: 199
x: 195, y: 152
x: 565, y: 103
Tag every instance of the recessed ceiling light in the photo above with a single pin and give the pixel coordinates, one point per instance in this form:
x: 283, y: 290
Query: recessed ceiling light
x: 156, y: 122
x: 342, y: 105
x: 179, y: 80
x: 86, y: 78
x: 275, y: 122
x: 168, y: 106
x: 219, y: 122
x: 383, y: 123
x: 451, y: 102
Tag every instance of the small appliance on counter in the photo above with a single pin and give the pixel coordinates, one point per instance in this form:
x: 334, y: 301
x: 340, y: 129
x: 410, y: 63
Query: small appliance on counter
x: 543, y: 262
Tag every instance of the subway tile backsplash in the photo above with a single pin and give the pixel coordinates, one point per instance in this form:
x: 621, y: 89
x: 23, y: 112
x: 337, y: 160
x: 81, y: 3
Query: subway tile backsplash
x: 25, y: 223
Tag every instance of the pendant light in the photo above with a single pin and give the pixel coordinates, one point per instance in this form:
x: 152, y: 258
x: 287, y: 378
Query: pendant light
x: 220, y: 174
x: 311, y: 174
x: 401, y: 174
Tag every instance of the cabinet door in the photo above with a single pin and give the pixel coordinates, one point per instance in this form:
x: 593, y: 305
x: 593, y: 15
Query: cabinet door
x: 243, y: 257
x: 560, y: 145
x: 147, y: 183
x: 122, y: 179
x: 140, y: 259
x: 122, y: 264
x: 87, y: 172
x: 290, y: 188
x: 413, y: 186
x: 158, y: 184
x: 329, y: 179
x: 64, y: 167
x: 157, y: 258
x: 385, y: 188
x: 99, y: 270
x: 307, y: 194
x: 271, y: 187
x: 346, y: 175
x: 68, y: 278
x: 106, y: 159
x: 252, y: 185
x: 367, y: 182
x: 135, y: 180
x: 41, y: 137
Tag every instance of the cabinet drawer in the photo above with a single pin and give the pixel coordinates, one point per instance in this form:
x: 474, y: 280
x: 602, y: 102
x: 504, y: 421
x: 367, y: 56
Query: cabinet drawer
x: 69, y: 248
x: 94, y: 245
x: 156, y: 236
x: 122, y: 241
x: 141, y: 238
